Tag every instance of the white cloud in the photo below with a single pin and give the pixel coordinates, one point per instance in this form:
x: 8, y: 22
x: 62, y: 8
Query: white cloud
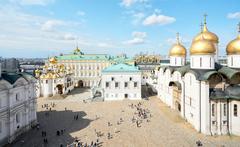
x: 69, y: 36
x: 139, y: 34
x: 51, y: 24
x: 138, y: 38
x: 81, y: 13
x: 34, y: 2
x: 128, y: 3
x: 235, y: 15
x: 158, y: 20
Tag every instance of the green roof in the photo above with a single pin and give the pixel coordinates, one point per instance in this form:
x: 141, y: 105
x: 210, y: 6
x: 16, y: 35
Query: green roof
x: 12, y: 77
x: 122, y: 68
x: 84, y: 57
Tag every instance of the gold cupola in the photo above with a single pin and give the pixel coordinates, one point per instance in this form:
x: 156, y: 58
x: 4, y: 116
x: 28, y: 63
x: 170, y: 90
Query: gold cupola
x: 233, y: 47
x: 53, y: 60
x: 202, y: 47
x: 177, y: 49
x: 206, y: 33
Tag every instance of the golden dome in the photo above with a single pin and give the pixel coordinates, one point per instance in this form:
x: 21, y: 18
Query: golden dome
x: 206, y: 34
x: 53, y: 60
x: 233, y: 47
x: 202, y: 47
x: 42, y: 76
x: 54, y: 76
x: 49, y: 76
x: 177, y: 49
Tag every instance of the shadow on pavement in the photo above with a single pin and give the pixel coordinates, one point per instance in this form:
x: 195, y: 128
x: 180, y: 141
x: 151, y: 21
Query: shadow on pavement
x: 51, y: 122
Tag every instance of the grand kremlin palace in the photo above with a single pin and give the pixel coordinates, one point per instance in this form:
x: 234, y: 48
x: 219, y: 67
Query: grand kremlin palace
x: 87, y: 67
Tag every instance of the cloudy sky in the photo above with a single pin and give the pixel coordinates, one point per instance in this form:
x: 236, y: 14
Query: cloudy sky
x: 42, y: 28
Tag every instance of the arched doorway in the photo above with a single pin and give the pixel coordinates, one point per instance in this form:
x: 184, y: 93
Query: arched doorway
x: 98, y: 94
x: 60, y: 89
x: 176, y: 93
x: 80, y: 83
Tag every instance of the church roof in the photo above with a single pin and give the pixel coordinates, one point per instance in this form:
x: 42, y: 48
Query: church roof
x: 122, y: 67
x: 204, y: 74
x: 12, y: 77
x: 231, y: 92
x: 84, y: 57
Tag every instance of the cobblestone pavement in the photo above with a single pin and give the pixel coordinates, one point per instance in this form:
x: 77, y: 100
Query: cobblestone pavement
x: 164, y: 128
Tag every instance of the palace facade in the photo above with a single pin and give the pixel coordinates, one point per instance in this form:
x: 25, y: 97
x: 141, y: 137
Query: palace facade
x: 205, y: 93
x: 87, y: 68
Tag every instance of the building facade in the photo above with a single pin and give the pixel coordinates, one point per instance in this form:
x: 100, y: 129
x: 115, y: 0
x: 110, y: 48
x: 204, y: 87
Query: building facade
x: 18, y: 104
x: 121, y: 81
x: 205, y: 93
x: 54, y: 79
x: 87, y: 68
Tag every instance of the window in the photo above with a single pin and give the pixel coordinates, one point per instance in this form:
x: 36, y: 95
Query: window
x: 17, y: 118
x: 46, y: 81
x: 175, y: 61
x: 112, y: 78
x: 125, y: 84
x: 190, y: 103
x: 17, y: 97
x: 1, y: 127
x: 235, y: 109
x: 135, y: 84
x: 231, y: 61
x: 200, y: 61
x: 213, y: 110
x: 224, y: 109
x: 107, y: 84
x: 116, y: 85
x: 210, y: 62
x: 130, y: 79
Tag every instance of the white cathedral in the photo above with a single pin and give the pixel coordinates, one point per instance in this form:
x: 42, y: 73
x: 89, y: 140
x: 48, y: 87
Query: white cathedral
x: 205, y: 93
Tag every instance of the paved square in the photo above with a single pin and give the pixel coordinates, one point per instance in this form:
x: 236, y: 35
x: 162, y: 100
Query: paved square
x: 163, y: 128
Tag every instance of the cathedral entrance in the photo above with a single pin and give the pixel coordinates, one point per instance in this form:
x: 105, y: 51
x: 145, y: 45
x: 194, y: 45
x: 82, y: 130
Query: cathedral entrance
x: 60, y: 89
x: 80, y: 83
x: 176, y: 93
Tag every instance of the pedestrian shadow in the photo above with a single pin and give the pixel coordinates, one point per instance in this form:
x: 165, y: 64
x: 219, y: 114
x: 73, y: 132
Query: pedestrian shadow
x: 50, y: 122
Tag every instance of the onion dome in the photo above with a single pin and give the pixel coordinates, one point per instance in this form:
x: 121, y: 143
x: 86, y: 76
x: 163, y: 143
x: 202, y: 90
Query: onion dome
x: 233, y: 47
x: 177, y: 49
x: 43, y: 76
x: 49, y: 76
x: 202, y: 47
x: 206, y: 34
x: 53, y: 60
x: 54, y: 76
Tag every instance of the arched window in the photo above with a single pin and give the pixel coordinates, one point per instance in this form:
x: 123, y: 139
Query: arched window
x: 235, y: 110
x: 224, y: 109
x: 210, y: 62
x: 200, y: 61
x: 1, y: 127
x: 17, y: 118
x: 213, y: 110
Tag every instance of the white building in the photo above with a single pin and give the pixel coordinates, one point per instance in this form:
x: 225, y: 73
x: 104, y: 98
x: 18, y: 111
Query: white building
x: 206, y: 94
x: 121, y: 81
x: 55, y: 79
x: 17, y: 104
x: 87, y: 68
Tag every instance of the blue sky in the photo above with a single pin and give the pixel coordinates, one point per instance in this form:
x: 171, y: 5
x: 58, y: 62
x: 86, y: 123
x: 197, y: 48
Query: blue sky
x: 42, y: 28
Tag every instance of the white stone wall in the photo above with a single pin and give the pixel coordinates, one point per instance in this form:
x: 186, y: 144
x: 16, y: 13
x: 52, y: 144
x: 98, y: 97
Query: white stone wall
x: 234, y: 120
x: 202, y: 61
x: 89, y: 71
x: 177, y: 60
x: 17, y: 99
x: 233, y: 61
x: 113, y: 93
